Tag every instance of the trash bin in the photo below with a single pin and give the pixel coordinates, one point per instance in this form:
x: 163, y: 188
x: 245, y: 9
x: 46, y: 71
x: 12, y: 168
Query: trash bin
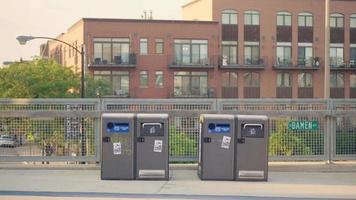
x: 152, y: 146
x: 118, y: 142
x: 251, y: 159
x: 216, y: 147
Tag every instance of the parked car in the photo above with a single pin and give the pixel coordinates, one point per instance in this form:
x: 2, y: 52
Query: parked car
x: 7, y: 141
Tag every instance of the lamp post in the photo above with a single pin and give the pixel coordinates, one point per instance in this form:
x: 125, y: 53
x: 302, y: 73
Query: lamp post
x: 24, y: 39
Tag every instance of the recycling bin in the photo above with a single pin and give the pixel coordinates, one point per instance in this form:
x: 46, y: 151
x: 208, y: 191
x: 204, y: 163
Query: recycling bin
x: 216, y: 147
x: 118, y: 146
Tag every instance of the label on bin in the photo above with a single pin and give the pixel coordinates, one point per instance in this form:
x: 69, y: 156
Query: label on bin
x: 117, y: 148
x: 158, y: 146
x: 225, y: 143
x: 219, y: 128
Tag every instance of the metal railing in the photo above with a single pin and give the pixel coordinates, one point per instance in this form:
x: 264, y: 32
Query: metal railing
x: 69, y: 129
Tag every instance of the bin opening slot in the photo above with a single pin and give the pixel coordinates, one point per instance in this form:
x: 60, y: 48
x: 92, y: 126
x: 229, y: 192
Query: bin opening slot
x: 252, y: 130
x: 218, y: 128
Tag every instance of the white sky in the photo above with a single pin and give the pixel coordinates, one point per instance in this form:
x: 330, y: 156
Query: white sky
x: 52, y: 17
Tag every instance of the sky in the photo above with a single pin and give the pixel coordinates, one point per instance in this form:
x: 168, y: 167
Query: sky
x: 52, y: 17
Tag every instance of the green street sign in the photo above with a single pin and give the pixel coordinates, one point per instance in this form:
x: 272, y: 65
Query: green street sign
x: 303, y: 125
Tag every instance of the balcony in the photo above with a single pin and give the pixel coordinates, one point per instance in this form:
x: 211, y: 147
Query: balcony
x: 191, y: 62
x: 229, y: 92
x: 249, y: 63
x: 342, y: 65
x: 128, y: 60
x: 193, y: 93
x: 305, y: 92
x: 284, y: 92
x: 302, y: 64
x: 337, y: 93
x: 251, y: 92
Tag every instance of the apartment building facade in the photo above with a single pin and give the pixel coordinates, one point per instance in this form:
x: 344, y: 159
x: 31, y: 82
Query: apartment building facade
x: 222, y: 49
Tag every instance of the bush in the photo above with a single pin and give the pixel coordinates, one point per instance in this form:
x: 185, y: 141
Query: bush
x: 284, y: 143
x: 181, y: 145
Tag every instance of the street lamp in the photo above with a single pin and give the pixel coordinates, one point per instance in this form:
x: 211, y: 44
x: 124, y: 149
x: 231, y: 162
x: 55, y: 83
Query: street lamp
x: 23, y: 39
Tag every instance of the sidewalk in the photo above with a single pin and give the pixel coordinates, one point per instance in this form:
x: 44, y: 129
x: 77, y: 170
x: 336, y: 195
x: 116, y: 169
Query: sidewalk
x: 184, y: 184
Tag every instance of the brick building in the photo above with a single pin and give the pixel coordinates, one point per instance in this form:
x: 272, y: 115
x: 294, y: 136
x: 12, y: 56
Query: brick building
x: 222, y: 49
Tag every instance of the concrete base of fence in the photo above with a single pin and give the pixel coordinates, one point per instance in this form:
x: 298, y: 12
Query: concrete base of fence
x: 345, y: 166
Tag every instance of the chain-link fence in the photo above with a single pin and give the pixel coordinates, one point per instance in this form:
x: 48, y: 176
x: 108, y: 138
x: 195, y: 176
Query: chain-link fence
x: 69, y: 129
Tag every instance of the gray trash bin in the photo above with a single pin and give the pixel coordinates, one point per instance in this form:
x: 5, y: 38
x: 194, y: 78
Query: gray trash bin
x: 216, y: 147
x: 152, y: 146
x: 118, y: 142
x: 251, y: 159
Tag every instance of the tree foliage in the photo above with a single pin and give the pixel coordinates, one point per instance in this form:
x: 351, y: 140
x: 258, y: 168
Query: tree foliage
x: 39, y: 78
x: 43, y: 78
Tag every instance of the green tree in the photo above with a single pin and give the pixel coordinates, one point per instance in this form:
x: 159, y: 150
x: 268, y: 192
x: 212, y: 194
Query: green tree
x: 96, y: 87
x: 40, y: 78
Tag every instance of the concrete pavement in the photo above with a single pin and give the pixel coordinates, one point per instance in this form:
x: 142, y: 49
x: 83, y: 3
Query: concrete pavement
x: 184, y: 184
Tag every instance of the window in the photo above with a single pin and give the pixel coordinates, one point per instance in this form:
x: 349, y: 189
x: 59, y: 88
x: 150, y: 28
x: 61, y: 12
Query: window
x: 252, y: 18
x: 353, y: 55
x: 305, y: 20
x: 353, y: 81
x: 252, y: 53
x: 143, y: 79
x: 159, y: 46
x: 252, y: 79
x: 229, y: 53
x: 229, y: 79
x: 191, y: 52
x: 336, y: 56
x: 229, y: 17
x: 284, y: 19
x: 143, y: 46
x: 284, y: 54
x: 159, y: 79
x: 305, y: 80
x: 305, y: 54
x: 111, y: 50
x: 353, y: 21
x: 191, y: 84
x: 336, y: 20
x: 284, y: 80
x: 118, y: 80
x: 337, y: 80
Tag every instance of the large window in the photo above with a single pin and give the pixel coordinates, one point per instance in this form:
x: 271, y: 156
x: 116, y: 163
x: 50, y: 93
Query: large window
x: 305, y: 54
x: 229, y: 17
x: 336, y: 56
x: 353, y: 21
x: 159, y: 46
x: 305, y: 80
x: 159, y: 79
x: 229, y: 79
x: 143, y: 46
x: 353, y: 56
x: 284, y: 19
x: 336, y: 20
x: 337, y: 80
x: 191, y: 52
x: 191, y: 84
x: 119, y: 81
x: 284, y: 54
x: 143, y: 79
x: 305, y: 19
x: 252, y: 18
x: 353, y: 81
x: 252, y: 53
x: 229, y: 49
x: 229, y: 85
x: 251, y: 79
x: 284, y: 79
x: 111, y: 50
